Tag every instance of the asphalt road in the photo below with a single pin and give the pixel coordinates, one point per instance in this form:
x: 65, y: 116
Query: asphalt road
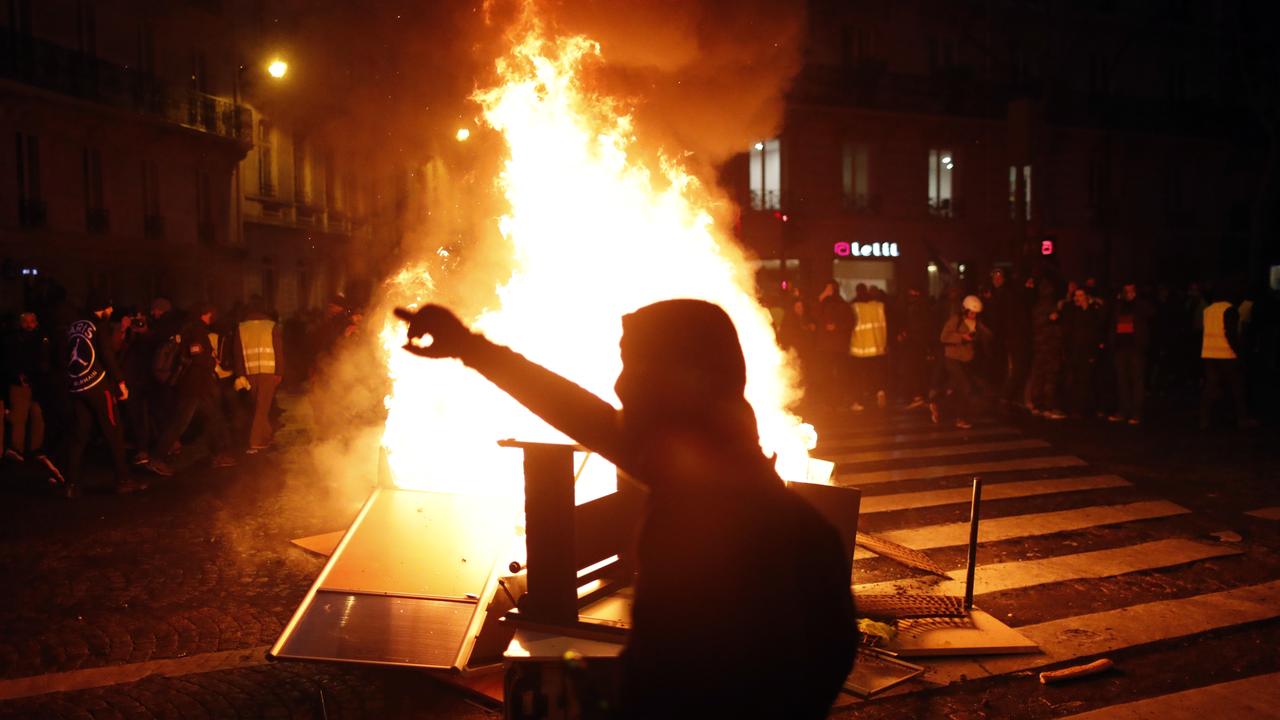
x: 159, y: 604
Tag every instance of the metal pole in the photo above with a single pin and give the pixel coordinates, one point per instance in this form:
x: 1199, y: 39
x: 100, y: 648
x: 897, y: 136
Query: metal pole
x: 973, y: 542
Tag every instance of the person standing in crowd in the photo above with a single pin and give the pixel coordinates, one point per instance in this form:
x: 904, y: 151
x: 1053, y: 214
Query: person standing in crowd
x: 995, y: 312
x: 798, y: 333
x: 835, y: 326
x: 1220, y: 350
x: 97, y: 386
x: 915, y: 340
x: 1129, y: 336
x: 1083, y: 331
x: 1046, y: 355
x: 259, y: 356
x: 1018, y: 340
x: 960, y: 336
x: 196, y: 395
x: 137, y: 354
x: 868, y: 345
x: 29, y: 360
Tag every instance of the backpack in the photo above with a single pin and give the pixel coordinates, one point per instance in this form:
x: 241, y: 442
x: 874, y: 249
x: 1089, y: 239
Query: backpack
x: 169, y: 362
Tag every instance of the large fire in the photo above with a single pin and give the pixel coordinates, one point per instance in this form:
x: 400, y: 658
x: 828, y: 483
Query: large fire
x: 595, y: 234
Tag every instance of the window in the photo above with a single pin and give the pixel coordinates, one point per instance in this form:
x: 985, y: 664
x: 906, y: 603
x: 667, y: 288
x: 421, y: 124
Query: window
x: 152, y: 222
x: 766, y: 175
x: 31, y: 208
x: 95, y: 209
x: 942, y: 53
x: 266, y: 160
x: 941, y: 166
x: 204, y: 208
x: 855, y: 176
x: 301, y: 171
x: 1016, y: 193
x: 856, y: 45
x: 86, y: 28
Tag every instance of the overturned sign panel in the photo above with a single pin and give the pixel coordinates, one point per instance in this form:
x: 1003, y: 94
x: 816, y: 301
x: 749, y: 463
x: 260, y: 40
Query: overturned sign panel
x: 412, y: 583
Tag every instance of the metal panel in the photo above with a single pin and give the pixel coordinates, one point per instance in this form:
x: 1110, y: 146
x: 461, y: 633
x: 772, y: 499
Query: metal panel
x: 409, y: 583
x: 380, y: 629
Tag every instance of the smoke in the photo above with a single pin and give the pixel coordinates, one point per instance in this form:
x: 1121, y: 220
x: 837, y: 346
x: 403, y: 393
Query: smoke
x: 389, y: 83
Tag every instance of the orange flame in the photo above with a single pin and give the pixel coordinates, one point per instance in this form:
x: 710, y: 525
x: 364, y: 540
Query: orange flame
x: 596, y: 233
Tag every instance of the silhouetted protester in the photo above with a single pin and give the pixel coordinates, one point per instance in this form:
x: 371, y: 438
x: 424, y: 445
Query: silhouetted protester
x: 136, y: 356
x: 1220, y: 350
x: 915, y: 338
x: 961, y: 335
x: 1129, y: 335
x: 1083, y: 336
x: 96, y: 386
x: 742, y: 604
x: 197, y: 394
x: 868, y: 345
x: 1046, y: 355
x: 835, y: 327
x: 798, y: 332
x: 260, y: 361
x: 29, y: 359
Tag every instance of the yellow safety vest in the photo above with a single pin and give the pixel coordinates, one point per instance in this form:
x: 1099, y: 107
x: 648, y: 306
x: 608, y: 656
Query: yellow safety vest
x: 871, y: 334
x: 259, y: 349
x: 1215, y: 345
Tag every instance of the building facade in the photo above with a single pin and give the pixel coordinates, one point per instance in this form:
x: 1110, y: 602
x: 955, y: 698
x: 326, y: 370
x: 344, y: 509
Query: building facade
x: 926, y: 139
x: 136, y: 162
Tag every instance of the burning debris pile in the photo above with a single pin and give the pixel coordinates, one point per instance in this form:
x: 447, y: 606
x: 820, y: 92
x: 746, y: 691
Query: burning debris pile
x: 595, y: 231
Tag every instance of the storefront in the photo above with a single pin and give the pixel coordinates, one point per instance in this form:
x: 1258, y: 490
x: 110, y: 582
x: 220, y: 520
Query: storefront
x: 873, y: 264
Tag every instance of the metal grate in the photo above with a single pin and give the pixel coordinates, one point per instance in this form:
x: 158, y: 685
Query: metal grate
x: 897, y: 607
x: 900, y: 553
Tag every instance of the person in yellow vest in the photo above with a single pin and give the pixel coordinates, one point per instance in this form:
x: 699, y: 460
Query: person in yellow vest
x: 259, y: 362
x: 1219, y: 352
x: 867, y: 345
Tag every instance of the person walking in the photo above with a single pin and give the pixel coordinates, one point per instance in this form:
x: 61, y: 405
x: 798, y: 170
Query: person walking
x: 197, y: 395
x: 259, y: 359
x: 1220, y: 349
x: 1129, y: 335
x: 867, y: 345
x: 960, y: 336
x: 29, y: 365
x: 97, y: 387
x: 915, y: 338
x: 798, y: 332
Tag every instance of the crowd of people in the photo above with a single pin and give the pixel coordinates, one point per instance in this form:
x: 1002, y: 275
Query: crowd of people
x: 146, y: 380
x: 1054, y: 349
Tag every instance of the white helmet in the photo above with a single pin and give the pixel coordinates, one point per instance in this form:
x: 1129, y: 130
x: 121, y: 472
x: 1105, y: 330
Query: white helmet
x: 973, y: 304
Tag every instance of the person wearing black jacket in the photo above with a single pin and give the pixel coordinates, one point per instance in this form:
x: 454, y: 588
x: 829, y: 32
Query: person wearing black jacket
x: 97, y: 386
x: 1083, y: 326
x: 1129, y: 335
x: 773, y: 633
x: 197, y: 394
x: 29, y: 361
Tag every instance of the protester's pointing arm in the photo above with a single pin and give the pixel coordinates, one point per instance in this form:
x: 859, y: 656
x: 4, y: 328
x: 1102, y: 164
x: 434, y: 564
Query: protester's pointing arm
x: 563, y: 404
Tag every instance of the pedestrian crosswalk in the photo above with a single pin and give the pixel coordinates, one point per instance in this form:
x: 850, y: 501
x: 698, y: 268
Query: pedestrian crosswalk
x: 1049, y: 518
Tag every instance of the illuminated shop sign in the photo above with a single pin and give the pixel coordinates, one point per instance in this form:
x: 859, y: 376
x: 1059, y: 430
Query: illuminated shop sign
x: 878, y: 249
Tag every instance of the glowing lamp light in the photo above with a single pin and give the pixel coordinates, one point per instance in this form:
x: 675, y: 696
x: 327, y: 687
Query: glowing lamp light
x: 463, y: 134
x: 759, y: 146
x: 278, y: 68
x: 946, y: 159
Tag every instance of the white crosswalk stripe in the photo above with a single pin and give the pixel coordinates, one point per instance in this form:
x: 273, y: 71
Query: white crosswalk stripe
x: 1129, y: 531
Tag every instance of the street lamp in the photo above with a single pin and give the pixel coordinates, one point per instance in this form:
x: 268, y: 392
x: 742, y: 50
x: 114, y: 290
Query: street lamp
x: 462, y: 135
x: 278, y: 68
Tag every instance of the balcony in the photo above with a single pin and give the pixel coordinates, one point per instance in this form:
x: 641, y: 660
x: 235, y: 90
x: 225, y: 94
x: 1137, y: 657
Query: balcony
x: 44, y: 65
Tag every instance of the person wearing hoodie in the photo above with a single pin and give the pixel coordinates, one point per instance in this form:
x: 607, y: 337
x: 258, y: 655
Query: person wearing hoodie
x: 97, y: 387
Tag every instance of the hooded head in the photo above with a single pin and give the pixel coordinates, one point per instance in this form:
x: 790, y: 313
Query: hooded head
x: 682, y: 367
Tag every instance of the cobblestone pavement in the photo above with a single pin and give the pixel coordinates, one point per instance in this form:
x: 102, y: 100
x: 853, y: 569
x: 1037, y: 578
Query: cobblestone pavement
x: 200, y: 563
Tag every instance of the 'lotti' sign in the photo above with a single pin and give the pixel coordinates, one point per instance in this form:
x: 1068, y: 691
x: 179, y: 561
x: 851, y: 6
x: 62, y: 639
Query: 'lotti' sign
x: 879, y: 249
